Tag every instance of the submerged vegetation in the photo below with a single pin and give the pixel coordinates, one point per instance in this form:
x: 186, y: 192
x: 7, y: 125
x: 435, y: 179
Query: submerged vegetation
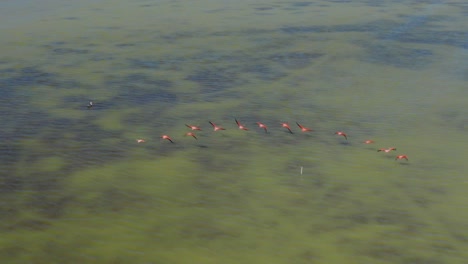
x: 75, y: 186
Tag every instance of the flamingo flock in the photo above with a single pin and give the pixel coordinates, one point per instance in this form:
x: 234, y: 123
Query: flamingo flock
x: 217, y: 128
x: 265, y: 128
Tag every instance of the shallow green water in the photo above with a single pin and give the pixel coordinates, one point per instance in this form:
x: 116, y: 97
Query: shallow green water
x: 77, y: 188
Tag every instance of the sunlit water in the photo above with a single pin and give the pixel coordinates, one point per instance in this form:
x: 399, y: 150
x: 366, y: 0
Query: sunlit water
x: 77, y: 188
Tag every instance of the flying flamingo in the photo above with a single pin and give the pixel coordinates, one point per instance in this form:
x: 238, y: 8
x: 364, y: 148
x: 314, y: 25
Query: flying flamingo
x: 167, y: 137
x: 215, y: 127
x: 193, y: 127
x: 399, y: 157
x: 386, y: 150
x: 369, y: 141
x: 285, y: 125
x: 304, y: 129
x: 341, y: 133
x: 191, y: 134
x: 140, y: 140
x: 240, y: 125
x: 261, y: 125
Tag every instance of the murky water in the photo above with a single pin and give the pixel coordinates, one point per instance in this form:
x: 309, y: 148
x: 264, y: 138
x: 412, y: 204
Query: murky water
x: 75, y: 187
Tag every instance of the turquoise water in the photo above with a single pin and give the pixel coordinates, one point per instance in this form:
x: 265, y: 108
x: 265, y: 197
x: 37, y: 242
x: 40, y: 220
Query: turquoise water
x: 75, y: 187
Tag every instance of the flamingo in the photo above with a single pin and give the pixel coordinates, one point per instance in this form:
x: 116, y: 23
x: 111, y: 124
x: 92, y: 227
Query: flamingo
x: 341, y: 133
x: 215, y: 127
x: 191, y: 134
x: 167, y: 137
x: 399, y: 157
x: 261, y: 125
x: 242, y: 127
x: 193, y: 127
x: 286, y: 125
x: 386, y: 150
x: 304, y: 129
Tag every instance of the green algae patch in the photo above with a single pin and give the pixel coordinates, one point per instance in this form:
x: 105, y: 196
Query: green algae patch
x: 112, y: 120
x: 51, y: 164
x: 80, y: 189
x: 140, y: 182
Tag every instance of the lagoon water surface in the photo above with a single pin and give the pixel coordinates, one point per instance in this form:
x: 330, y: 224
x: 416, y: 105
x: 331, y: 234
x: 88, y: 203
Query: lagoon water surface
x: 75, y: 187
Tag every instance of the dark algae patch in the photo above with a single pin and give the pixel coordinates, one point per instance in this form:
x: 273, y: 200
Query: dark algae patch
x: 399, y: 56
x: 29, y: 76
x: 76, y: 185
x: 373, y: 27
x: 140, y: 89
x: 417, y: 29
x: 437, y: 37
x: 295, y: 60
x: 215, y: 79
